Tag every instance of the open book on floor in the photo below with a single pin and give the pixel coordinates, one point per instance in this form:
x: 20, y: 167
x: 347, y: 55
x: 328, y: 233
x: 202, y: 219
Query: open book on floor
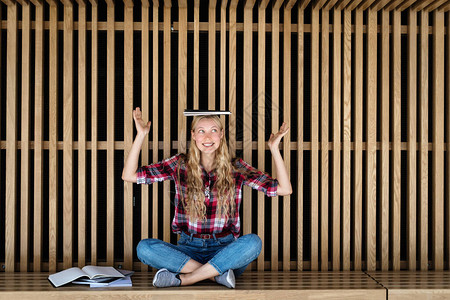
x: 108, y: 281
x: 93, y: 273
x: 118, y: 282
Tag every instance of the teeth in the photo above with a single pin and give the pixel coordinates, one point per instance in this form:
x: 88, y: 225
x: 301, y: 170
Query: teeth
x: 207, y: 145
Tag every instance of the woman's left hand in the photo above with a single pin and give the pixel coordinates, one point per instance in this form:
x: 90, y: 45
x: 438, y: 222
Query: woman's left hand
x: 275, y: 139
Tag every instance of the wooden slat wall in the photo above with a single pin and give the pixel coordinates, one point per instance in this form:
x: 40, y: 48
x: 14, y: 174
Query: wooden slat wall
x: 128, y: 131
x: 11, y: 136
x: 53, y: 137
x: 38, y: 137
x: 336, y: 215
x: 358, y: 121
x: 423, y: 168
x: 166, y: 118
x: 261, y: 120
x: 314, y: 140
x: 145, y: 115
x: 412, y: 139
x: 324, y: 109
x: 395, y: 167
x: 385, y: 103
x: 25, y: 152
x: 110, y: 83
x: 68, y: 135
x: 352, y: 145
x: 346, y: 123
x: 82, y: 133
x: 438, y: 140
x: 94, y: 129
x: 300, y: 135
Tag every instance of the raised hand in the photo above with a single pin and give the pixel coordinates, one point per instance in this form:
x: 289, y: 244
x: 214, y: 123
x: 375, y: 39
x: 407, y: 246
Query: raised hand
x: 275, y: 139
x: 141, y: 126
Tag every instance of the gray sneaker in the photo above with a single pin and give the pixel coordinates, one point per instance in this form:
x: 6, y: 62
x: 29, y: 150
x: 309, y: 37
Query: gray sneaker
x: 164, y: 278
x: 227, y: 279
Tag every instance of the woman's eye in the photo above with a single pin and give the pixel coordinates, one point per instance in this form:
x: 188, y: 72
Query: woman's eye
x: 214, y: 130
x: 201, y: 131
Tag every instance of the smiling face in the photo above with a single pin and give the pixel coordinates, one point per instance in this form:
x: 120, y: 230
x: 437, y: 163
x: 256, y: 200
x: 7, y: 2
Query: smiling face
x: 207, y: 135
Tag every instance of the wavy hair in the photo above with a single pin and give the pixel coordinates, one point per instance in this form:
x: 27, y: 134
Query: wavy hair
x: 224, y: 187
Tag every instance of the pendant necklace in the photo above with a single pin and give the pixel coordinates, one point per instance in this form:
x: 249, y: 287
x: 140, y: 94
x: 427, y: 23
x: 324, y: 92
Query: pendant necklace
x: 207, y: 192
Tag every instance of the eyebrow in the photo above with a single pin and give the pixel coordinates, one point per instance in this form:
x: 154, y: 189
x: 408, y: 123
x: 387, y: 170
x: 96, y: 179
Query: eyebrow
x: 214, y: 126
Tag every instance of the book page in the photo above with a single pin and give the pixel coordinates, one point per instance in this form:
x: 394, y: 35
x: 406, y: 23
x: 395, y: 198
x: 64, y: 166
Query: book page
x: 96, y: 271
x: 66, y: 276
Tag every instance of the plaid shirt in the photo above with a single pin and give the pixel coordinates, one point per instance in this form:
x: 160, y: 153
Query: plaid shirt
x: 167, y: 170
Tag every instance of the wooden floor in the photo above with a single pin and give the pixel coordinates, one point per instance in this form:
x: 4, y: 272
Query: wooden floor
x: 415, y: 285
x: 252, y: 285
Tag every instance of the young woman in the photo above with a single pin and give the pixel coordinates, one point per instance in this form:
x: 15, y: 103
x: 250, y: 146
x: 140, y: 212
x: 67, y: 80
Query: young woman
x: 207, y: 200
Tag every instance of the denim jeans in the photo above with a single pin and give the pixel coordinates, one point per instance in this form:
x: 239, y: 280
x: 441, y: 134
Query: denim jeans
x: 222, y: 253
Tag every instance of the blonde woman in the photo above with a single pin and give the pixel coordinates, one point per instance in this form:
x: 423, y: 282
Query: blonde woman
x: 207, y: 200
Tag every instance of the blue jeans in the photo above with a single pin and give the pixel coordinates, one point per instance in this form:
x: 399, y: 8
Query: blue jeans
x: 222, y: 253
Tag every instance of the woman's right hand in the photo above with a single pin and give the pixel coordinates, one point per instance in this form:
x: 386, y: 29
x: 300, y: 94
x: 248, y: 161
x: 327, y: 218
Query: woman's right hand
x: 141, y: 127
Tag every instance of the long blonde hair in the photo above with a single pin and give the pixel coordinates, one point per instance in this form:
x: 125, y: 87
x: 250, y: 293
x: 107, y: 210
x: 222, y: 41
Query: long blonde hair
x: 224, y: 187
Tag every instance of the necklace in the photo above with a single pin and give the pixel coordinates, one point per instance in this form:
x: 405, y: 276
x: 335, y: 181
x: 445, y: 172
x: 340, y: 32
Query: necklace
x: 207, y: 191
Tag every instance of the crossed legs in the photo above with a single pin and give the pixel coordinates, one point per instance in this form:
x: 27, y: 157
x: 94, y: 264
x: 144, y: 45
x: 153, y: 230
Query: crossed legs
x: 193, y: 272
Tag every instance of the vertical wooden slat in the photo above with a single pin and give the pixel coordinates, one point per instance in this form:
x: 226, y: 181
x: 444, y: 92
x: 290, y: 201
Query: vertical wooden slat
x: 81, y: 134
x: 371, y: 167
x: 412, y: 140
x: 25, y: 139
x: 287, y: 138
x: 110, y: 78
x: 384, y: 183
x: 346, y: 159
x: 324, y: 126
x: 1, y: 45
x: 38, y: 135
x: 68, y: 135
x: 128, y: 132
x: 212, y: 55
x: 275, y: 122
x: 11, y: 136
x: 53, y: 136
x: 438, y: 140
x: 94, y: 129
x: 223, y: 53
x: 182, y: 77
x: 247, y: 140
x: 325, y: 78
x: 155, y: 118
x: 196, y: 50
x: 261, y: 120
x: 145, y: 69
x: 423, y: 165
x: 396, y: 145
x: 232, y: 76
x: 447, y: 129
x: 314, y: 139
x: 166, y: 131
x: 336, y: 138
x: 358, y: 90
x: 300, y: 138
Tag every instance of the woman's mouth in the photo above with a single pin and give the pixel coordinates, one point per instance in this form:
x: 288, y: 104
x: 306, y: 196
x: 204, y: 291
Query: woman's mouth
x: 208, y: 145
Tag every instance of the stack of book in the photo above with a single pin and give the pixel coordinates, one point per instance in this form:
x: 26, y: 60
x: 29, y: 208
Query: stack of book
x: 94, y: 276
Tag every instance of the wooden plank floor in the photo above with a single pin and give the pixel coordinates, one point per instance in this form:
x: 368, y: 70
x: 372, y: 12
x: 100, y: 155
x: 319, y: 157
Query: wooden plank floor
x: 252, y: 285
x: 414, y: 285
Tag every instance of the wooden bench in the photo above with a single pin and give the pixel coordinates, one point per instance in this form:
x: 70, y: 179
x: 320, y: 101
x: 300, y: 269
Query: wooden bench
x: 252, y: 285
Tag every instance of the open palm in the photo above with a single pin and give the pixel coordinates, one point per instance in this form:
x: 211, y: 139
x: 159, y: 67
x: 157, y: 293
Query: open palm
x: 141, y: 126
x: 275, y: 139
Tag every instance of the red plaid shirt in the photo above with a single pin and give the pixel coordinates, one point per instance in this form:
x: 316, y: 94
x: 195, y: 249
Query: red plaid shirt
x: 167, y: 170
